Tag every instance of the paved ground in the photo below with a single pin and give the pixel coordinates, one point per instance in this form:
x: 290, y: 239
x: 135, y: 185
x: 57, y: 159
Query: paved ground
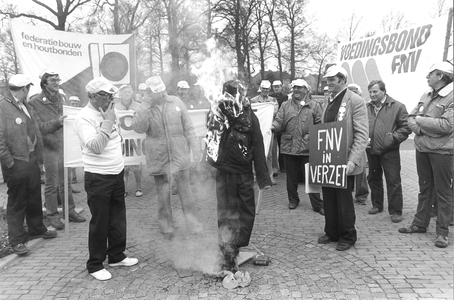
x: 383, y: 264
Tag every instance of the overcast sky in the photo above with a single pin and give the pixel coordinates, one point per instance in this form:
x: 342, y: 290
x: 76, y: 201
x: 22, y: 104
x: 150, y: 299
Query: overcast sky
x: 332, y: 13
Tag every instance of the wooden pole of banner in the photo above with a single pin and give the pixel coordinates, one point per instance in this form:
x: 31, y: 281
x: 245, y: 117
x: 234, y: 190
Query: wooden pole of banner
x: 448, y: 35
x: 66, y: 206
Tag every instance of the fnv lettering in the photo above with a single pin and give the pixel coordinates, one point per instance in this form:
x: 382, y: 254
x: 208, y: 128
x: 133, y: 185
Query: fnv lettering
x: 328, y: 155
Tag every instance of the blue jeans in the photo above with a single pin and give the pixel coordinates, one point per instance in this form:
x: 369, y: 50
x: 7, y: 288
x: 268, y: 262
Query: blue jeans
x: 435, y: 176
x: 24, y: 201
x: 388, y: 163
x: 107, y: 229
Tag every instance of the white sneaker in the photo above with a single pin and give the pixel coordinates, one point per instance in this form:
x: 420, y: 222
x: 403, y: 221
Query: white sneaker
x: 101, y: 275
x: 127, y: 262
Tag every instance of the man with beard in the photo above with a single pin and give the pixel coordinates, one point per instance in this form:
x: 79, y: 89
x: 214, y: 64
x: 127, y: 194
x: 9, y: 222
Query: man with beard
x: 293, y: 120
x: 48, y: 106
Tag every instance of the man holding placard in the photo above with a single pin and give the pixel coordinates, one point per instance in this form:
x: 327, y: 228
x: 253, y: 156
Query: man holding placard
x: 344, y: 106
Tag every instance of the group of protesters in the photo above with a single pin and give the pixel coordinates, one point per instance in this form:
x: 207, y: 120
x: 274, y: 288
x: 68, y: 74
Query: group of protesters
x: 31, y: 132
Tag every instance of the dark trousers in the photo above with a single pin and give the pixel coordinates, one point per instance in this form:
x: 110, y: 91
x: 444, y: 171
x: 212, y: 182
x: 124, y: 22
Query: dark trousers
x: 293, y: 165
x: 435, y: 180
x: 235, y: 208
x: 340, y: 213
x: 24, y: 201
x: 107, y: 229
x: 389, y: 164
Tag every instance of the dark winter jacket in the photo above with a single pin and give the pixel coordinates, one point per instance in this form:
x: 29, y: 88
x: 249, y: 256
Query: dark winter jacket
x: 389, y: 128
x: 240, y: 145
x: 13, y: 132
x: 48, y: 117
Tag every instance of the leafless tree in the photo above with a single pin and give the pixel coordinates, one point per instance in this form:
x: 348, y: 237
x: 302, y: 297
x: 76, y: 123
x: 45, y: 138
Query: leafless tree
x: 393, y: 21
x: 351, y: 28
x: 61, y: 13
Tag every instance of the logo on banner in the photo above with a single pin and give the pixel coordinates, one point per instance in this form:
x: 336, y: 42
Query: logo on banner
x: 110, y: 61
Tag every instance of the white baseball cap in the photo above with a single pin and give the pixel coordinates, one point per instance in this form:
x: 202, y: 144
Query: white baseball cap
x: 19, y: 80
x: 183, y: 84
x: 142, y: 86
x: 300, y: 82
x: 74, y: 98
x: 265, y: 84
x: 354, y: 85
x: 100, y: 84
x: 155, y: 84
x: 444, y: 67
x: 277, y: 82
x: 334, y: 70
x: 124, y: 86
x: 47, y: 71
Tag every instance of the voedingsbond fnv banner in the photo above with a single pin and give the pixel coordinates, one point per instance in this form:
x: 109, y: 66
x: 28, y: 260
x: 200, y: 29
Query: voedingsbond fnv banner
x: 76, y: 57
x: 400, y: 58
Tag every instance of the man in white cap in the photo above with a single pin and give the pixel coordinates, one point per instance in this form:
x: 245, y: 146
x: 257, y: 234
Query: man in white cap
x: 432, y: 121
x: 183, y: 94
x: 20, y: 151
x: 128, y: 103
x: 263, y: 97
x: 361, y: 185
x: 97, y: 127
x: 293, y: 120
x: 170, y: 137
x: 48, y: 106
x: 141, y: 88
x: 343, y: 104
x: 326, y: 93
x: 281, y: 98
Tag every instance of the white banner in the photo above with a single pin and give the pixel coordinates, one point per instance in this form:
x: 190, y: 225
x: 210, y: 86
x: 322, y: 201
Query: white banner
x: 400, y: 58
x: 133, y: 150
x: 76, y: 57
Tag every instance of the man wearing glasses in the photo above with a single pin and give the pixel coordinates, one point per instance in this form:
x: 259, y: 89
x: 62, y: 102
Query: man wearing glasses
x: 20, y: 151
x: 292, y: 121
x: 98, y: 131
x: 48, y: 106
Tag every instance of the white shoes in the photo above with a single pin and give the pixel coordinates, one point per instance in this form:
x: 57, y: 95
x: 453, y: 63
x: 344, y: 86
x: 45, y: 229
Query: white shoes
x: 101, y: 275
x: 105, y: 275
x: 127, y: 262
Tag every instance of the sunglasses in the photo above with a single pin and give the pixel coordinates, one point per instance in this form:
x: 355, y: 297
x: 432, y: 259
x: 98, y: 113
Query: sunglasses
x: 296, y: 87
x: 105, y: 95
